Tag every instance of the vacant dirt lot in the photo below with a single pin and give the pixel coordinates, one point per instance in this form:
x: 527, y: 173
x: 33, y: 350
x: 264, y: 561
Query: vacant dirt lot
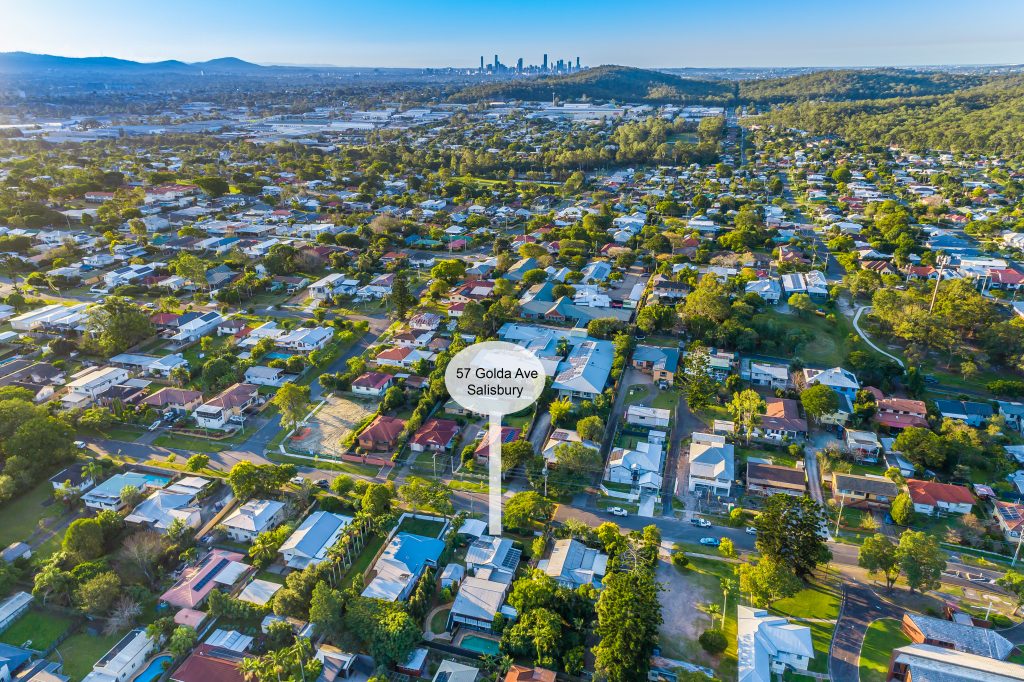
x: 332, y: 423
x: 680, y: 607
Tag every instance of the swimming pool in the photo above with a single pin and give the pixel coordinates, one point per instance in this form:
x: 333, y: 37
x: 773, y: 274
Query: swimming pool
x: 481, y: 645
x: 278, y: 355
x: 155, y: 669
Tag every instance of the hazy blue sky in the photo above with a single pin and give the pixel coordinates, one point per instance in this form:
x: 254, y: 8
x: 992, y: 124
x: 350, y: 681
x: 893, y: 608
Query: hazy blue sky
x: 453, y: 32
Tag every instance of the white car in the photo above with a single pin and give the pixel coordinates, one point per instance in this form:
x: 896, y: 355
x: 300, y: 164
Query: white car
x: 80, y: 444
x: 297, y: 480
x: 617, y: 511
x: 751, y: 530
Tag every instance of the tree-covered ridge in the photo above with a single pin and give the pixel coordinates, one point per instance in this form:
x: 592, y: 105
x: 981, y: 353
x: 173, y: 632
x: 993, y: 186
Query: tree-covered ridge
x: 855, y: 84
x: 604, y: 83
x: 988, y: 119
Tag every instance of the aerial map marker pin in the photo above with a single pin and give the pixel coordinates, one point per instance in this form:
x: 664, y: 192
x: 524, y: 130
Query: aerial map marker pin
x: 494, y: 378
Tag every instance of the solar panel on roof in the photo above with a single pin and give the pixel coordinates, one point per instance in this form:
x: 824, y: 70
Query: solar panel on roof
x: 511, y: 559
x: 221, y: 563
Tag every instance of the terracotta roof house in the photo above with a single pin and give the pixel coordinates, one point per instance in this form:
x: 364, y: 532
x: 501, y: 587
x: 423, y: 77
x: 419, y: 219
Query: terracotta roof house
x: 372, y: 383
x: 227, y: 407
x: 382, y: 434
x: 931, y: 497
x: 899, y: 413
x: 1010, y: 517
x: 437, y: 435
x: 508, y: 434
x: 209, y: 664
x: 520, y: 673
x: 769, y: 479
x: 179, y: 399
x: 781, y: 420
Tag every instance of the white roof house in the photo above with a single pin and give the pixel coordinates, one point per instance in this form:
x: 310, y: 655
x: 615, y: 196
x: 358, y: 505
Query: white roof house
x: 124, y: 660
x: 573, y: 564
x: 712, y: 463
x: 312, y: 540
x: 767, y: 644
x: 253, y: 518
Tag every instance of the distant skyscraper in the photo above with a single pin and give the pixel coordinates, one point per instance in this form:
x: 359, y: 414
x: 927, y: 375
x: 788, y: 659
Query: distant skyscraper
x: 544, y: 64
x: 519, y: 65
x: 496, y: 62
x: 577, y: 63
x: 481, y: 62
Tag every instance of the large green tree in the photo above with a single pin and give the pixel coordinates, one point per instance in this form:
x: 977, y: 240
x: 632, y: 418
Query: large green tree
x: 790, y: 530
x: 628, y: 618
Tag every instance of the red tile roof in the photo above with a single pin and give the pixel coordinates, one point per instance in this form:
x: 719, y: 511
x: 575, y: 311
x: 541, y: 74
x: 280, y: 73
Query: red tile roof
x: 383, y: 429
x: 931, y: 493
x: 209, y: 664
x: 519, y: 673
x: 372, y: 380
x: 437, y: 432
x: 508, y: 434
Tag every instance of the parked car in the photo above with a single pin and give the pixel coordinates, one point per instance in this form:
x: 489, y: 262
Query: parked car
x: 297, y: 480
x: 710, y: 542
x: 751, y: 530
x: 700, y: 523
x: 80, y: 444
x: 617, y: 511
x: 322, y: 483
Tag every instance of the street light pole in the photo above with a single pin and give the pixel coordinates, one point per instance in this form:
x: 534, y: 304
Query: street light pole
x: 842, y: 501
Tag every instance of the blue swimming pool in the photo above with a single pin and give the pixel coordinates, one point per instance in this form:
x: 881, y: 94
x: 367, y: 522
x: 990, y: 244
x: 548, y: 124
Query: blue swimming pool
x: 155, y: 668
x: 481, y: 645
x: 278, y: 355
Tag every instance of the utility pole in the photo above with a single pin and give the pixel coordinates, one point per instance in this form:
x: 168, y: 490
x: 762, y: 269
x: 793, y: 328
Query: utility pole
x: 842, y: 501
x: 935, y: 292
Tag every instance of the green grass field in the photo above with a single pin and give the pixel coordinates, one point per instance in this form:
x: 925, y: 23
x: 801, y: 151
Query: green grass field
x: 439, y: 621
x: 882, y: 637
x: 424, y: 527
x: 42, y: 629
x: 21, y: 516
x: 819, y: 600
x: 82, y: 650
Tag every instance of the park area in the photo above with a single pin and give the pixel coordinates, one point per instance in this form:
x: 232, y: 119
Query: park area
x: 325, y: 431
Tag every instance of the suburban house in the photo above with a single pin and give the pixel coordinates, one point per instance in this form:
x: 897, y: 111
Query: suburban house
x: 477, y: 602
x: 1010, y: 517
x: 86, y: 386
x: 711, y: 464
x: 863, y: 446
x: 572, y: 564
x: 372, y: 384
x: 452, y: 671
x: 950, y: 634
x: 928, y: 662
x: 381, y: 435
x: 401, y: 565
x: 334, y: 284
x: 305, y: 339
x: 870, y: 491
x: 226, y: 409
x: 520, y: 673
x: 560, y: 436
x: 313, y: 539
x: 648, y: 416
x: 771, y: 479
x: 124, y: 660
x: 781, y: 421
x: 495, y: 557
x: 767, y: 645
x: 508, y: 435
x: 107, y: 495
x: 208, y: 663
x: 176, y: 502
x: 176, y: 400
x: 73, y: 477
x: 842, y: 381
x: 640, y: 467
x: 252, y: 518
x: 899, y: 413
x: 660, y: 363
x: 436, y: 435
x: 219, y: 569
x: 767, y: 374
x: 584, y: 373
x: 931, y: 497
x: 260, y: 375
x: 971, y: 413
x: 401, y: 356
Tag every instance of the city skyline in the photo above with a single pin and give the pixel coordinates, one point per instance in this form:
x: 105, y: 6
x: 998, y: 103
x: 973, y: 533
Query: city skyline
x: 453, y: 34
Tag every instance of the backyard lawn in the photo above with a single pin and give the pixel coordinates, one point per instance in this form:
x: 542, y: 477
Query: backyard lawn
x: 82, y: 650
x: 21, y: 516
x: 439, y: 621
x: 424, y: 527
x: 41, y: 629
x: 882, y: 637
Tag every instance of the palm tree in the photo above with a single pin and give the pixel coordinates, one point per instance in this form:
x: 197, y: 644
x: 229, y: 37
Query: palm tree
x: 302, y: 649
x: 251, y: 667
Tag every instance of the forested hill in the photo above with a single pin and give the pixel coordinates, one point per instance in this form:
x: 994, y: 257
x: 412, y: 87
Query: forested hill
x: 621, y: 83
x: 988, y: 119
x: 853, y: 84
